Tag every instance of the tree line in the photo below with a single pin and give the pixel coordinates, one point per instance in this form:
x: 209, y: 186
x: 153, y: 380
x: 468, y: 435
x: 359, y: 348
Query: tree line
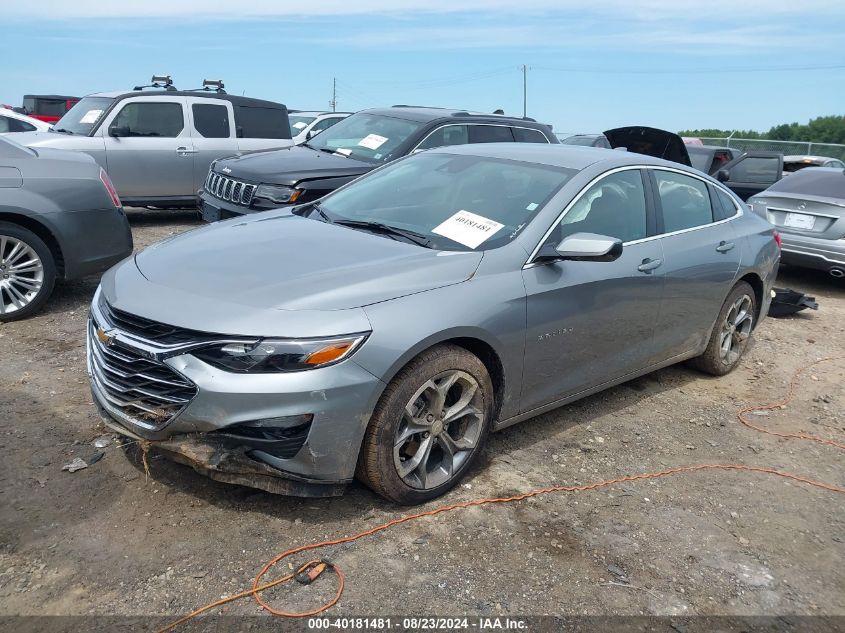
x: 823, y: 129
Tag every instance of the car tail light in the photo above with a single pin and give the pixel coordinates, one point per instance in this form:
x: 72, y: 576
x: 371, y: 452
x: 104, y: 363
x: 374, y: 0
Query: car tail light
x: 778, y: 241
x: 104, y: 178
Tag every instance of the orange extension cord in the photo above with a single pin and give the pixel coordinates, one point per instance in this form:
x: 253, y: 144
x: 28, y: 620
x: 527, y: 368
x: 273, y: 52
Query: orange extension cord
x: 257, y: 587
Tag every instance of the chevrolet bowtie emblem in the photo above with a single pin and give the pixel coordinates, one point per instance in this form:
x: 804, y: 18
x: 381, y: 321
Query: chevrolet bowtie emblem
x: 106, y: 338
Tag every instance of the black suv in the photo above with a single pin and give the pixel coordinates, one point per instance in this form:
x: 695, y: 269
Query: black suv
x: 270, y: 179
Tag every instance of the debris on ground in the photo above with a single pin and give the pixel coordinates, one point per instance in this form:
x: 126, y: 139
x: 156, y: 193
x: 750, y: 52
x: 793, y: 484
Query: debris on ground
x: 76, y: 464
x: 787, y: 301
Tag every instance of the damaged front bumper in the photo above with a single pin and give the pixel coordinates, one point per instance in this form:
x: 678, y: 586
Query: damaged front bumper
x: 296, y: 433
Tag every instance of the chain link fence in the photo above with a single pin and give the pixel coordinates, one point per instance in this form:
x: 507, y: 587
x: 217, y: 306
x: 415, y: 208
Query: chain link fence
x: 787, y: 148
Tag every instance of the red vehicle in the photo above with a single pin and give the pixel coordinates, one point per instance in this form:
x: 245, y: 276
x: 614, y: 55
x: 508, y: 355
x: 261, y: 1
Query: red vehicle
x: 48, y: 108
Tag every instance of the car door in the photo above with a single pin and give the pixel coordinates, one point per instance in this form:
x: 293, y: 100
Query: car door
x: 702, y: 254
x: 589, y: 322
x: 149, y: 149
x: 751, y: 173
x: 213, y: 134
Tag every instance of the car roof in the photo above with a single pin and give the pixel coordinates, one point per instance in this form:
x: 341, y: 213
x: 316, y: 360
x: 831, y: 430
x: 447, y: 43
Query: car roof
x: 428, y: 113
x: 315, y: 113
x: 202, y: 94
x: 709, y: 148
x: 553, y: 155
x: 801, y: 157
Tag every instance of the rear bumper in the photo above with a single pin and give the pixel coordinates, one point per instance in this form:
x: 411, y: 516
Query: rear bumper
x: 810, y: 252
x: 91, y: 240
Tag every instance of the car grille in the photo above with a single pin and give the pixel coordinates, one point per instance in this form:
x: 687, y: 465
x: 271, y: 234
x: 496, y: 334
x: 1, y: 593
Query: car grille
x: 148, y: 392
x: 150, y: 330
x: 229, y: 189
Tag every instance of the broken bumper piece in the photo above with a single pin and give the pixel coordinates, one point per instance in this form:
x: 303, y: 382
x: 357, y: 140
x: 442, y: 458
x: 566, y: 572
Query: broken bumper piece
x: 214, y: 458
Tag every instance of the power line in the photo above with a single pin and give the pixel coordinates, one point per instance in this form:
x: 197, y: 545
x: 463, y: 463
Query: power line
x: 686, y: 71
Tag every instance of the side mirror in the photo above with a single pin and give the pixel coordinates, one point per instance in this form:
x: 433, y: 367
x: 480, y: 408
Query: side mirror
x: 118, y: 130
x: 723, y: 175
x: 310, y: 134
x: 589, y: 247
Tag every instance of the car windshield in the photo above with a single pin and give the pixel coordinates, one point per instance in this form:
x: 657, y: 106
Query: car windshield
x: 299, y: 123
x: 454, y: 201
x: 82, y: 117
x: 369, y: 137
x: 814, y: 181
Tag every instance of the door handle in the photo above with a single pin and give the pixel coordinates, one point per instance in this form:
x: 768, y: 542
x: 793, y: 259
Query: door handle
x: 724, y: 247
x: 649, y: 264
x: 182, y: 151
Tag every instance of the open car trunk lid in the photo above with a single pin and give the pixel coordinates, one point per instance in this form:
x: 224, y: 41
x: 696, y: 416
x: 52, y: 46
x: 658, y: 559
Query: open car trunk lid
x: 651, y: 142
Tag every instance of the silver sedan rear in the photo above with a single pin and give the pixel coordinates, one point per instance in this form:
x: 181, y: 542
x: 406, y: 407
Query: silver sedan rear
x: 808, y: 209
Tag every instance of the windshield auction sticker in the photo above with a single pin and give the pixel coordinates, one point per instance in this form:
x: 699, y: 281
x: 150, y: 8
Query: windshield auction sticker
x: 91, y: 116
x: 468, y: 228
x: 372, y: 141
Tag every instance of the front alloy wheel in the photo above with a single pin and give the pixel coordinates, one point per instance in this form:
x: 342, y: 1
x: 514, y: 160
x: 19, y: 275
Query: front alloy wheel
x: 440, y: 428
x: 428, y: 427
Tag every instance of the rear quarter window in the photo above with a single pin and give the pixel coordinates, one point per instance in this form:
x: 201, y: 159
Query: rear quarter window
x: 526, y: 135
x: 262, y: 122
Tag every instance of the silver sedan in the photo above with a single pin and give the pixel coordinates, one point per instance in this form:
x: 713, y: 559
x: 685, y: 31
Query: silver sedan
x: 385, y: 330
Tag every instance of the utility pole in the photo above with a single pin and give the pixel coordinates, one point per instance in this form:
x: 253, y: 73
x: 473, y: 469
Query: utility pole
x: 333, y: 102
x: 524, y: 90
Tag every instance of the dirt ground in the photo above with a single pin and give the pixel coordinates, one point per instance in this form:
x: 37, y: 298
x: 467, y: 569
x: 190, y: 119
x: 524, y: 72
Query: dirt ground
x: 110, y: 540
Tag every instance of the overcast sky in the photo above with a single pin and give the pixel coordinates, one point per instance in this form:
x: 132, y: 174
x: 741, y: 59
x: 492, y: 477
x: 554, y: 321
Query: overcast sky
x: 593, y: 64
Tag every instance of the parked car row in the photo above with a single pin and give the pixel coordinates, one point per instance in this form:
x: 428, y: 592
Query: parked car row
x: 395, y: 288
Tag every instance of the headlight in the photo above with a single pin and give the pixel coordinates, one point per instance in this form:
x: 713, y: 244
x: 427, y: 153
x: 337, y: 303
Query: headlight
x: 271, y: 356
x: 278, y: 193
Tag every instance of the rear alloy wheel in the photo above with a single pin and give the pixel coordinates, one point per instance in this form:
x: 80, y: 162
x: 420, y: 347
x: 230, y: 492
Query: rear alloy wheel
x: 731, y: 333
x: 27, y: 272
x: 428, y: 427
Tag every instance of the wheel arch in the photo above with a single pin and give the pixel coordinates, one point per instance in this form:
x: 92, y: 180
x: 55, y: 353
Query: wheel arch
x: 756, y: 282
x: 42, y: 231
x: 474, y: 341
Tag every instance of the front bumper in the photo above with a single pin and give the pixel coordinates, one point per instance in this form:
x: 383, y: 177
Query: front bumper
x: 812, y: 252
x: 339, y: 398
x: 214, y: 209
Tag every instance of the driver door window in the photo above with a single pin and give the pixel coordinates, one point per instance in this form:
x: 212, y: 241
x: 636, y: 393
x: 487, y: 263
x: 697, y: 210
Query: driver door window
x: 614, y: 206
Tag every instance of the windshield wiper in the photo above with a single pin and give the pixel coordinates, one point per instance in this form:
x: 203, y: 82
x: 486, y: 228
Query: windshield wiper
x: 61, y: 129
x: 316, y: 207
x: 379, y: 227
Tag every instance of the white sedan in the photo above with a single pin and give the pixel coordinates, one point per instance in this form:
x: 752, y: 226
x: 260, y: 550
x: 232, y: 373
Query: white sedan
x: 11, y: 121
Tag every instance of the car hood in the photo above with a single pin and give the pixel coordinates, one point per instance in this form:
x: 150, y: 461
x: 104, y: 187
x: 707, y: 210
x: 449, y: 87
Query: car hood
x: 651, y: 142
x: 278, y: 260
x: 290, y: 165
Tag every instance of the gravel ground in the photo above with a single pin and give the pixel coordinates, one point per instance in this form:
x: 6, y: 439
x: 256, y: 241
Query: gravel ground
x: 111, y: 540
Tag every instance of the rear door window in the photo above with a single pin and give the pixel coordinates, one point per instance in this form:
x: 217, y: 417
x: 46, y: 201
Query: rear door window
x: 526, y: 135
x: 211, y: 120
x: 685, y: 201
x: 490, y: 134
x: 151, y: 119
x: 446, y: 135
x: 261, y: 122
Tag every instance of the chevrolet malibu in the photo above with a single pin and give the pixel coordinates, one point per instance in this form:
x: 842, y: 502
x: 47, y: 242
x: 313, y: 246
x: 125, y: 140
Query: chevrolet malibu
x: 385, y: 330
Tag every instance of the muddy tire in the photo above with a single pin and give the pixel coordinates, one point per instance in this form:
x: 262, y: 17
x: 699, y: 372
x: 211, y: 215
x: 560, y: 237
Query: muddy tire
x: 428, y: 427
x: 27, y: 272
x: 731, y: 334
